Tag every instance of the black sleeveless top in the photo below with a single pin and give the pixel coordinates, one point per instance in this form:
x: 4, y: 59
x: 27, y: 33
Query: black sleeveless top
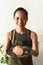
x: 27, y: 42
x: 24, y: 38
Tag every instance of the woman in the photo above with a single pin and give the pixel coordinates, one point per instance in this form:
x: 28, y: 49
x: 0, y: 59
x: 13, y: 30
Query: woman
x: 28, y: 39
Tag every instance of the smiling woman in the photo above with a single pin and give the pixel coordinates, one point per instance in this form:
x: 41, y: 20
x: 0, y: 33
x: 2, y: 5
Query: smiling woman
x: 20, y: 18
x: 24, y: 38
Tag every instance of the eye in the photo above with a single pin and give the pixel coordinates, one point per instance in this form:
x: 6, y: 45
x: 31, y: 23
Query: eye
x: 17, y: 18
x: 23, y: 18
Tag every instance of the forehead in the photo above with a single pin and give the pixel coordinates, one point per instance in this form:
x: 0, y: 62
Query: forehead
x: 20, y: 13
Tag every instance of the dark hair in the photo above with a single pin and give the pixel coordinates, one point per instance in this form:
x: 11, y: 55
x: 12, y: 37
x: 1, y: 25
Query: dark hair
x: 21, y: 9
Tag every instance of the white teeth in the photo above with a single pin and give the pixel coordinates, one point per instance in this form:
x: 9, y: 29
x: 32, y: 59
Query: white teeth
x: 18, y: 23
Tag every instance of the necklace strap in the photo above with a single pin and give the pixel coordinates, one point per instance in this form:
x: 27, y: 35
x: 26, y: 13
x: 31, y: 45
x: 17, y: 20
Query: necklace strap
x: 12, y: 36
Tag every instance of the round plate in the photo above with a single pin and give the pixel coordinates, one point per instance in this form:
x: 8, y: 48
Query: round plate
x: 25, y: 48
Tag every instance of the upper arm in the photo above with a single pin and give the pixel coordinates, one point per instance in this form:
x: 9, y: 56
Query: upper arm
x: 7, y: 40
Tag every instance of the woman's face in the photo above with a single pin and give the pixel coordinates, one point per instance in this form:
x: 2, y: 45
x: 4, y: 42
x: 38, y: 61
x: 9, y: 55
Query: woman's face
x: 20, y: 19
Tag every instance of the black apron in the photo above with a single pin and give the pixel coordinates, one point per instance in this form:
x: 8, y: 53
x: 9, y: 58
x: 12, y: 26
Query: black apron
x: 25, y: 38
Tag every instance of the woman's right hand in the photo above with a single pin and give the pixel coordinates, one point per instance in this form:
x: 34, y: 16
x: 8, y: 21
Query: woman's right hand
x: 5, y: 54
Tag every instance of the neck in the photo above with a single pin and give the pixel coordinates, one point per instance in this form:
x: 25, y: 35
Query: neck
x: 21, y: 31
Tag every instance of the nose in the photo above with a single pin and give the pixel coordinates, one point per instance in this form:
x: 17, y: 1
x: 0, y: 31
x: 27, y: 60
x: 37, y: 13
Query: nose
x: 20, y: 20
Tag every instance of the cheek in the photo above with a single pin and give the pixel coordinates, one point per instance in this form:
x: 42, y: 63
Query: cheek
x: 25, y: 22
x: 16, y: 21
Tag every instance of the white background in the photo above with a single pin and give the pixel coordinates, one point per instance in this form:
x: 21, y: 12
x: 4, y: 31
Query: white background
x: 35, y: 22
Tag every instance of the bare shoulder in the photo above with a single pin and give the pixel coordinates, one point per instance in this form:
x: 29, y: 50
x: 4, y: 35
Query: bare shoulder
x: 33, y: 35
x: 8, y: 35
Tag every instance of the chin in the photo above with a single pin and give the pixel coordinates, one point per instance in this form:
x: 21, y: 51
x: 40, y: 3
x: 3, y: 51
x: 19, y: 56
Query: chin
x: 20, y: 26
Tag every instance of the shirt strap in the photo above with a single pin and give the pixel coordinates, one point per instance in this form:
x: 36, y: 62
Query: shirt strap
x: 12, y: 36
x: 28, y: 34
